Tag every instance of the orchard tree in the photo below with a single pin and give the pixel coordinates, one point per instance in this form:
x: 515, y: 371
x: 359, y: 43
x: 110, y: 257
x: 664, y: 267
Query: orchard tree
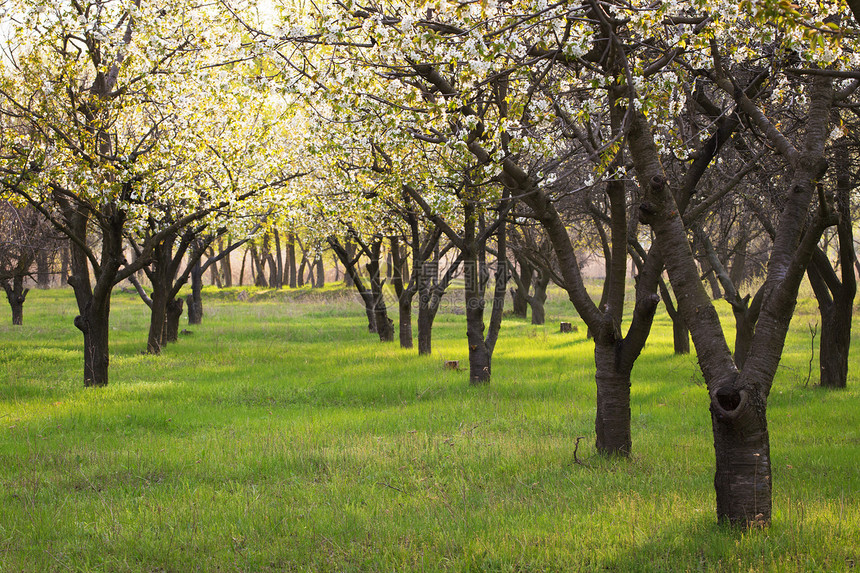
x: 104, y: 94
x: 732, y: 36
x: 835, y: 286
x: 24, y: 236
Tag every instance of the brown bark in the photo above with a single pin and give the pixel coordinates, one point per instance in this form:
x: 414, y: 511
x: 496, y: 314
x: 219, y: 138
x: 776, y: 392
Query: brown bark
x: 523, y: 278
x: 836, y: 297
x: 612, y: 421
x: 680, y: 332
x: 403, y: 292
x: 162, y: 280
x: 194, y: 300
x: 171, y: 320
x: 257, y: 269
x: 226, y: 269
x: 320, y: 282
x: 214, y: 277
x: 537, y: 301
x: 16, y: 294
x: 279, y: 260
x: 44, y: 260
x: 384, y: 325
x: 291, y: 260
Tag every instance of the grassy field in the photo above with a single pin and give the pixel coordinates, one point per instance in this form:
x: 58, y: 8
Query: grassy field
x: 281, y: 436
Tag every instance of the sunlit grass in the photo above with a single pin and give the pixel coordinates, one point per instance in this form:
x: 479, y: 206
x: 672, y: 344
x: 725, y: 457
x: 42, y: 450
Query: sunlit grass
x: 280, y: 435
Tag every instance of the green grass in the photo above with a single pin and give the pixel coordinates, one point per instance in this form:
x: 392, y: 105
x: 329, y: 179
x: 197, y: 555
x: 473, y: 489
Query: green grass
x: 281, y: 436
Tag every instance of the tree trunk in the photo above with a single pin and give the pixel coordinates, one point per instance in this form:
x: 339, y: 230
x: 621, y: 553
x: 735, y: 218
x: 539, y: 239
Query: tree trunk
x: 257, y: 269
x: 300, y: 273
x: 214, y: 277
x: 242, y: 268
x: 479, y: 355
x: 171, y: 323
x: 538, y: 300
x: 367, y: 298
x: 742, y: 446
x: 745, y: 330
x: 835, y: 343
x: 520, y: 293
x: 429, y: 297
x: 291, y: 257
x: 274, y: 278
x: 405, y: 320
x: 157, y: 319
x: 835, y: 296
x: 44, y: 260
x: 94, y: 323
x: 351, y: 265
x: 348, y: 279
x: 195, y: 299
x: 612, y: 423
x: 226, y: 271
x: 384, y: 325
x: 16, y: 294
x: 320, y: 273
x: 425, y: 327
x: 162, y: 278
x: 710, y: 276
x: 279, y: 259
x: 680, y: 332
x: 520, y: 306
x: 337, y: 275
x: 404, y: 292
x: 64, y: 263
x: 680, y: 335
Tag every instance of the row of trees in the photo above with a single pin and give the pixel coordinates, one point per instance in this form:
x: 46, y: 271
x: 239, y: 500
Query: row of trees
x: 697, y: 143
x: 668, y: 121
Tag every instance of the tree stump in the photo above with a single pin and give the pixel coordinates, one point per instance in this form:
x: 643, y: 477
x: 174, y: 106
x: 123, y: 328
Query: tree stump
x: 568, y: 327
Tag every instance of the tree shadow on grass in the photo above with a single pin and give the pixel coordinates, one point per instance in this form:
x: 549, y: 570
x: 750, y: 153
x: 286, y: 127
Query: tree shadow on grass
x: 700, y: 543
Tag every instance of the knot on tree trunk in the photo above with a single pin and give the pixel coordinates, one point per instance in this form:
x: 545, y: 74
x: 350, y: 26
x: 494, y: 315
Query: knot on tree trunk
x: 647, y: 213
x: 80, y: 323
x: 658, y: 182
